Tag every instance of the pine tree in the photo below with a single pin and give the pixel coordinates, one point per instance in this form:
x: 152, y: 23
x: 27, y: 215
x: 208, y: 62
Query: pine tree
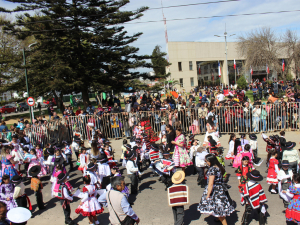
x: 88, y: 41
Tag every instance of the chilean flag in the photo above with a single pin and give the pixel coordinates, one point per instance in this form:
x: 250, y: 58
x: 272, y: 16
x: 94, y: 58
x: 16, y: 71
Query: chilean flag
x: 219, y: 69
x: 251, y: 70
x: 267, y: 69
x: 283, y: 65
x: 234, y: 64
x: 199, y: 69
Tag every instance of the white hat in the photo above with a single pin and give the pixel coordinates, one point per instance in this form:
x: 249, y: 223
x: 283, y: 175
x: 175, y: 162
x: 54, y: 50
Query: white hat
x: 90, y: 124
x: 18, y: 215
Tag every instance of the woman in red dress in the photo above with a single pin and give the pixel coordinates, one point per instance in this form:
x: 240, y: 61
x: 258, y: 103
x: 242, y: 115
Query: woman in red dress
x: 146, y: 126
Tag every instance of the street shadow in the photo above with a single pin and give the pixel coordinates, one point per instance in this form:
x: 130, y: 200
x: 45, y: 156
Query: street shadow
x: 146, y: 185
x: 191, y: 214
x: 232, y: 219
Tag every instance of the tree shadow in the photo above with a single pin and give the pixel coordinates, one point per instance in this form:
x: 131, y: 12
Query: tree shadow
x: 190, y: 215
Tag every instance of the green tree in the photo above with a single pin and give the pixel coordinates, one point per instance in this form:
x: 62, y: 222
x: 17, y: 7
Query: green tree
x: 242, y: 83
x: 84, y: 43
x: 159, y: 62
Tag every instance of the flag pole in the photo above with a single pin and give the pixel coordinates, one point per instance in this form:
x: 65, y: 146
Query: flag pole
x: 235, y: 76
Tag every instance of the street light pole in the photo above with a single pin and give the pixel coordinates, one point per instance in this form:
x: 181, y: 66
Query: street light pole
x: 27, y: 82
x: 225, y: 35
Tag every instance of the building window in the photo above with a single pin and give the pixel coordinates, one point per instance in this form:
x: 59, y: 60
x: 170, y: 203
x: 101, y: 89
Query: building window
x: 192, y: 81
x: 205, y: 78
x: 179, y: 66
x: 181, y: 82
x: 191, y: 65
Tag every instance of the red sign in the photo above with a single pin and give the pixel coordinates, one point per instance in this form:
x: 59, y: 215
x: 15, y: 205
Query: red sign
x: 30, y: 101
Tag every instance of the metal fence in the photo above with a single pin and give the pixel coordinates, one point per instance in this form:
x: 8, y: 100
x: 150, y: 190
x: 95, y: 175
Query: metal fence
x: 228, y: 119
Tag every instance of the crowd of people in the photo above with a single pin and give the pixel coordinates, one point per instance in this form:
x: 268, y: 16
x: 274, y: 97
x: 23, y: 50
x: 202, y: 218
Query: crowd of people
x: 274, y: 107
x: 166, y: 157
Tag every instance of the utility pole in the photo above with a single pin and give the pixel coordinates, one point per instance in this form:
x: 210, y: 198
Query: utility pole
x: 225, y: 35
x: 27, y: 83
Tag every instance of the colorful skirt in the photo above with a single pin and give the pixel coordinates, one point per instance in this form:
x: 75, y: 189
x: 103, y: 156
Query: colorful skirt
x: 181, y: 158
x: 90, y: 207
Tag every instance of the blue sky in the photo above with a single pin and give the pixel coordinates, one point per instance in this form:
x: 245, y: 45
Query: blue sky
x: 205, y: 29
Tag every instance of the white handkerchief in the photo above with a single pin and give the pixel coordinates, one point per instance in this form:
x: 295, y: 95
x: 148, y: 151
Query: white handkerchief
x: 77, y: 193
x: 263, y: 209
x: 264, y: 136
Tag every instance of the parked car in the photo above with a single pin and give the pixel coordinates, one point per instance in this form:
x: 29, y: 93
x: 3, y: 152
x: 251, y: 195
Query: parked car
x: 7, y: 109
x: 23, y: 106
x: 43, y: 104
x: 51, y: 100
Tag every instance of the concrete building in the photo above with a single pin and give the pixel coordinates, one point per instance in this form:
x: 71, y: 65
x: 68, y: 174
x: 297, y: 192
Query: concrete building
x: 196, y: 63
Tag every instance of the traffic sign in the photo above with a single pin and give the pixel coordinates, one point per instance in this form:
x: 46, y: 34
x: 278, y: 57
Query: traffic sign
x: 30, y: 101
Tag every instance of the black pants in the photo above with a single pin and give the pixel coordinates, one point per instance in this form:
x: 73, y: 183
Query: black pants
x: 134, y: 183
x: 77, y: 155
x: 200, y: 171
x: 255, y: 155
x: 22, y: 202
x: 69, y: 157
x: 39, y: 199
x: 247, y: 213
x: 178, y: 213
x: 67, y: 212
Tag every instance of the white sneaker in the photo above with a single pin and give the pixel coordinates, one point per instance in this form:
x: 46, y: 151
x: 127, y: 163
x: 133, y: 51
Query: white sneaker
x: 273, y: 191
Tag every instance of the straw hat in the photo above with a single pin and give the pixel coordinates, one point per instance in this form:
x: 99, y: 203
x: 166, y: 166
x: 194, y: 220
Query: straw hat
x: 178, y: 177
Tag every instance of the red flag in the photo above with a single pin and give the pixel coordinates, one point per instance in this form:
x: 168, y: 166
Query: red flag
x: 234, y: 64
x: 283, y: 65
x: 199, y: 70
x: 212, y: 76
x: 251, y: 70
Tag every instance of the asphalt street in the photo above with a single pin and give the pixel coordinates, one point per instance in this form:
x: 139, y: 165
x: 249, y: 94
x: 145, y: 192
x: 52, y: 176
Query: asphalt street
x: 151, y: 203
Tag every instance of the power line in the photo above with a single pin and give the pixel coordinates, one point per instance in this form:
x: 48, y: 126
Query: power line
x: 204, y: 17
x: 193, y: 4
x: 165, y: 7
x: 210, y: 17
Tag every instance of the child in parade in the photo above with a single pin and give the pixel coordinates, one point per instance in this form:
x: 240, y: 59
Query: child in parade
x: 242, y: 172
x: 91, y: 171
x: 82, y: 160
x: 109, y: 155
x: 253, y: 145
x: 63, y: 193
x: 7, y: 192
x: 123, y: 149
x: 75, y: 146
x: 68, y: 152
x: 103, y: 171
x: 230, y: 155
x: 248, y: 152
x: 285, y: 176
x: 39, y: 151
x: 167, y: 169
x: 200, y: 165
x: 89, y: 206
x: 48, y: 162
x: 254, y: 198
x: 212, y: 145
x: 132, y: 171
x: 272, y: 170
x: 34, y: 161
x: 292, y: 212
x: 19, y: 193
x: 36, y: 185
x: 220, y: 158
x: 7, y: 162
x: 154, y: 160
x: 195, y: 145
x: 238, y: 158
